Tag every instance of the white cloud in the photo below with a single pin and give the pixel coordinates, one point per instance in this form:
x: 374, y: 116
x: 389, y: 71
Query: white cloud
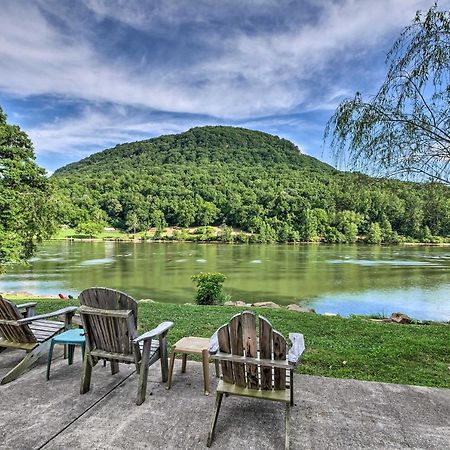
x: 244, y: 75
x: 96, y: 129
x: 143, y: 15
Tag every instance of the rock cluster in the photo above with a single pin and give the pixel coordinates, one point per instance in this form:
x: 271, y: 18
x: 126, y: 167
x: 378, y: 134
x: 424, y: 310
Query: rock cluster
x: 272, y: 305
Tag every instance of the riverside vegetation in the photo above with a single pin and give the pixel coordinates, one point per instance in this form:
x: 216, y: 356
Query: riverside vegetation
x: 247, y: 180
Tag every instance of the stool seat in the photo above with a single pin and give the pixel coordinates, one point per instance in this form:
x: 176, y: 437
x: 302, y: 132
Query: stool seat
x: 75, y: 336
x: 192, y: 345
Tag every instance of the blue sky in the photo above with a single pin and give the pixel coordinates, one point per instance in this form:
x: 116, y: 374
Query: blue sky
x: 82, y: 76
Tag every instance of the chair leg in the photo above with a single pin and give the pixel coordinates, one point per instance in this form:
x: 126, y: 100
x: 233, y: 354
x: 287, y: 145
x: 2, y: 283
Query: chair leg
x: 49, y: 359
x: 114, y: 367
x: 163, y: 356
x: 183, y: 362
x: 291, y: 386
x: 86, y: 374
x: 27, y: 362
x: 216, y: 365
x: 288, y: 416
x: 172, y: 362
x: 143, y: 373
x: 215, y: 415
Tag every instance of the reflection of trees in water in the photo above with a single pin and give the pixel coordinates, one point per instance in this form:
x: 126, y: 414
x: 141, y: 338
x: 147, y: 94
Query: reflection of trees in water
x: 287, y: 273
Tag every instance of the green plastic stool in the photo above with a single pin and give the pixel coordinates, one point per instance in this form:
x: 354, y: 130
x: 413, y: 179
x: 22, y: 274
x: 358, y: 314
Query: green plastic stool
x: 70, y: 338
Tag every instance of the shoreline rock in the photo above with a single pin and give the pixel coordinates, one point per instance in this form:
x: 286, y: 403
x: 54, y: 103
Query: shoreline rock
x: 266, y: 305
x: 300, y: 308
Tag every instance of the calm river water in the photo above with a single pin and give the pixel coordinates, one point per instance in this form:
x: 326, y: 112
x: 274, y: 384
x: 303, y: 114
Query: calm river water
x: 342, y: 279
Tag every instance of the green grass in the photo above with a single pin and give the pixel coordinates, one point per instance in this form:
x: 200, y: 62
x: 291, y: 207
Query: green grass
x: 64, y: 233
x: 335, y: 347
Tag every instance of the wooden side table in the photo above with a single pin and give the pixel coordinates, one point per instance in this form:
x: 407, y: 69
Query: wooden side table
x: 192, y: 346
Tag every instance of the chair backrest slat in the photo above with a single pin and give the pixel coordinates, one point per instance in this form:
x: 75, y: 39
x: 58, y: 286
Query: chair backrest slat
x: 237, y: 348
x: 14, y: 333
x: 279, y: 353
x: 265, y: 348
x: 106, y: 332
x: 223, y: 336
x: 251, y: 348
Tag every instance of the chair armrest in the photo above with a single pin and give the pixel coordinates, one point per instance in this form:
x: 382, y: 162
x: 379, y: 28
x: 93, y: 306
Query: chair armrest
x: 68, y: 310
x: 214, y: 344
x: 161, y: 329
x: 297, y: 349
x: 28, y: 307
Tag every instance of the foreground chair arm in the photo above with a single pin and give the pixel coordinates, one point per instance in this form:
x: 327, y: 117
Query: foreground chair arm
x: 27, y: 309
x: 297, y: 349
x: 144, y: 360
x: 214, y: 344
x: 160, y: 330
x: 68, y: 312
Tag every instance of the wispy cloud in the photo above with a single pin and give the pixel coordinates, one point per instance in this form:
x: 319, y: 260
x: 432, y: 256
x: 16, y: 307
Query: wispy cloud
x: 99, y: 128
x: 140, y: 68
x: 246, y: 73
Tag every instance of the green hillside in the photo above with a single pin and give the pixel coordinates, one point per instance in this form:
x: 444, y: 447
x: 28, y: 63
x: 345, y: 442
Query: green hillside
x: 247, y: 179
x: 219, y: 144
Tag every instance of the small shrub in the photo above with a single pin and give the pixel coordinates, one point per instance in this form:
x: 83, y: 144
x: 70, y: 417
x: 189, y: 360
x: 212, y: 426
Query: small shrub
x: 209, y: 288
x: 89, y: 229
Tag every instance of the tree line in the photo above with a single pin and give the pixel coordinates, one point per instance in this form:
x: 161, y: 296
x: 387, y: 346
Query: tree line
x: 263, y: 186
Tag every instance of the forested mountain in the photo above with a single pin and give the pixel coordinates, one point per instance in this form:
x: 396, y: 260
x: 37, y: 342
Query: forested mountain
x: 251, y: 180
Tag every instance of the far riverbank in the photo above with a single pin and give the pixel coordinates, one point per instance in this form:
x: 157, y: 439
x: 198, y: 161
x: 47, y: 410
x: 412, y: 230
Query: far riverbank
x: 216, y: 235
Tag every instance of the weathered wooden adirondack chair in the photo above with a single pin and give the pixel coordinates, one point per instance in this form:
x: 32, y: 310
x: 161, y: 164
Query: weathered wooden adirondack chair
x: 28, y: 332
x: 110, y: 323
x: 251, y: 367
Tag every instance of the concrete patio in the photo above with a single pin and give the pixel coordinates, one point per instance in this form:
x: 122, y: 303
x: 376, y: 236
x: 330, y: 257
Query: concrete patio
x: 329, y: 413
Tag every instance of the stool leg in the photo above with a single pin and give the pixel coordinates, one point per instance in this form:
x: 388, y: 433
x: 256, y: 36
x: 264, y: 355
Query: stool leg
x: 172, y: 362
x: 183, y: 362
x: 49, y: 359
x: 205, y: 357
x: 71, y: 352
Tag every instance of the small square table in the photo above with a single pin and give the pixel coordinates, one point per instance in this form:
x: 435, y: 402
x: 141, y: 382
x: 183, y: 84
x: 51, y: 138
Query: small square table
x: 192, y: 345
x: 71, y: 338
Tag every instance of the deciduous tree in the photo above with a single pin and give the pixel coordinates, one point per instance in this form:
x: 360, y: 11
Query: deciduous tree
x: 405, y: 127
x: 27, y: 212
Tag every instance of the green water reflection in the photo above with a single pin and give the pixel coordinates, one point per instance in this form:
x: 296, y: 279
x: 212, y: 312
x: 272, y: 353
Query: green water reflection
x: 343, y: 279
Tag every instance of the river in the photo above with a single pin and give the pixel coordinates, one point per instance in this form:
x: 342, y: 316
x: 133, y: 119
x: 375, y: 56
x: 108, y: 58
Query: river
x: 343, y: 279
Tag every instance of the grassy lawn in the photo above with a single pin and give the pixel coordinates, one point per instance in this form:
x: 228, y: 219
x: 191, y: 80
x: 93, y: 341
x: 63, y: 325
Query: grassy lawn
x: 335, y: 347
x: 64, y: 233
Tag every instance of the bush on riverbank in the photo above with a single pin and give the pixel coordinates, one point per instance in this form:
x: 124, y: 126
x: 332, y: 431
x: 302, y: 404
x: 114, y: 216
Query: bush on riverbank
x: 335, y: 347
x: 209, y: 288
